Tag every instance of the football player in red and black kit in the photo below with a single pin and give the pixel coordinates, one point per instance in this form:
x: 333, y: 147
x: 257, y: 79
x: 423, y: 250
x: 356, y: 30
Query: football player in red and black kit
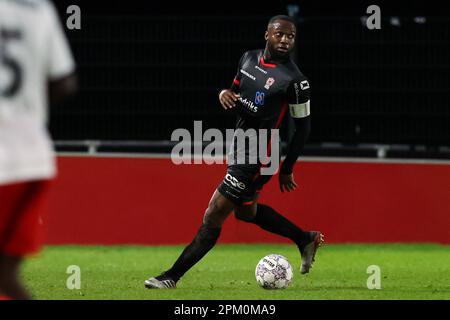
x: 267, y: 87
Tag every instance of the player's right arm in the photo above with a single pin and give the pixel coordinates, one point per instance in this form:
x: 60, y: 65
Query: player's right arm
x: 228, y: 97
x: 299, y: 105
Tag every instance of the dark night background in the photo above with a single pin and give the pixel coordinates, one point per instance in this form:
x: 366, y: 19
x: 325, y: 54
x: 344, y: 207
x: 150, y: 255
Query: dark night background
x: 146, y: 69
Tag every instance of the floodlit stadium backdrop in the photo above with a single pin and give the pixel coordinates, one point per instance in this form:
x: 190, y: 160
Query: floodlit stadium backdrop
x: 375, y: 175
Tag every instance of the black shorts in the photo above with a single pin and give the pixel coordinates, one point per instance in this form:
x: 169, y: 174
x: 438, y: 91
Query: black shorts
x: 242, y: 183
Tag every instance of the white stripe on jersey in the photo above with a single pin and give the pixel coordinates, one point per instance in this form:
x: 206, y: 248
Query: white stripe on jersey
x: 301, y: 110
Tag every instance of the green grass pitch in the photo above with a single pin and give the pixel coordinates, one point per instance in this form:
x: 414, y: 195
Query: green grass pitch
x: 408, y: 271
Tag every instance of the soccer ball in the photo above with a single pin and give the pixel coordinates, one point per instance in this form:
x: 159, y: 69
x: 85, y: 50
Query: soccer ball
x: 274, y: 272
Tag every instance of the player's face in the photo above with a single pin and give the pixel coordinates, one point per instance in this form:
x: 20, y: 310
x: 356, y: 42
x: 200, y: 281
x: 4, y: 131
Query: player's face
x: 280, y: 37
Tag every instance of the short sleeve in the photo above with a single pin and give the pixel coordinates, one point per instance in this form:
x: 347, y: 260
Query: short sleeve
x: 60, y: 62
x: 298, y: 97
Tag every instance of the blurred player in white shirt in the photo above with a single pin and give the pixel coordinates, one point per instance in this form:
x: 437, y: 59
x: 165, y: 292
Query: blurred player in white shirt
x: 35, y: 62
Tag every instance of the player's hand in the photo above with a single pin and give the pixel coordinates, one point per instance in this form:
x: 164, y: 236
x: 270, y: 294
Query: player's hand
x: 228, y: 98
x: 287, y: 182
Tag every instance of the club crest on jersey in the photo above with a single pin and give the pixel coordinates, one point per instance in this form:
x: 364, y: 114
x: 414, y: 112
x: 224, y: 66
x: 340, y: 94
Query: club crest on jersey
x: 269, y: 82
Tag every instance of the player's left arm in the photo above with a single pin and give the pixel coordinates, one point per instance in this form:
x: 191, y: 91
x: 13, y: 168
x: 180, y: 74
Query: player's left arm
x: 299, y: 108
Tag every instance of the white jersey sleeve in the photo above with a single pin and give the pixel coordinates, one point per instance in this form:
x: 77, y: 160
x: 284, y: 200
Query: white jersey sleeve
x: 33, y: 50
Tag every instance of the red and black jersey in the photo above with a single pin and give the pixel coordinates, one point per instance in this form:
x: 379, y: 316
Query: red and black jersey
x: 267, y: 92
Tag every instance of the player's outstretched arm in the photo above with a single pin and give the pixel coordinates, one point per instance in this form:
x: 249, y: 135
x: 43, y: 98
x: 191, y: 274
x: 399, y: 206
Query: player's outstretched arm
x: 298, y: 95
x: 286, y: 177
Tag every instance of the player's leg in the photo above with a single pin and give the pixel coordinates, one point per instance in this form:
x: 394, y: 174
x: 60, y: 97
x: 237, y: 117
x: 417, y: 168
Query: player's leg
x: 10, y: 285
x: 270, y: 220
x: 20, y: 231
x: 218, y: 210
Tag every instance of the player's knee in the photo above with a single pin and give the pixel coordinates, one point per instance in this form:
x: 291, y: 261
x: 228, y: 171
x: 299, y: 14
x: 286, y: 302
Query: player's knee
x: 243, y: 217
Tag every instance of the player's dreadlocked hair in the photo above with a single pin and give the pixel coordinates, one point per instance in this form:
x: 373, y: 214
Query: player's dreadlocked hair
x: 281, y: 17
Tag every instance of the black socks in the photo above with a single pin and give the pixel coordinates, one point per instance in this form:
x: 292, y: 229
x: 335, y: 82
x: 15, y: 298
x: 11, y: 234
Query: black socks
x: 270, y: 220
x: 204, y: 241
x: 266, y: 218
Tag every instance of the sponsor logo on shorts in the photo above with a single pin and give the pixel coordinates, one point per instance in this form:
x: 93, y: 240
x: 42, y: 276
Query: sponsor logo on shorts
x: 234, y: 182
